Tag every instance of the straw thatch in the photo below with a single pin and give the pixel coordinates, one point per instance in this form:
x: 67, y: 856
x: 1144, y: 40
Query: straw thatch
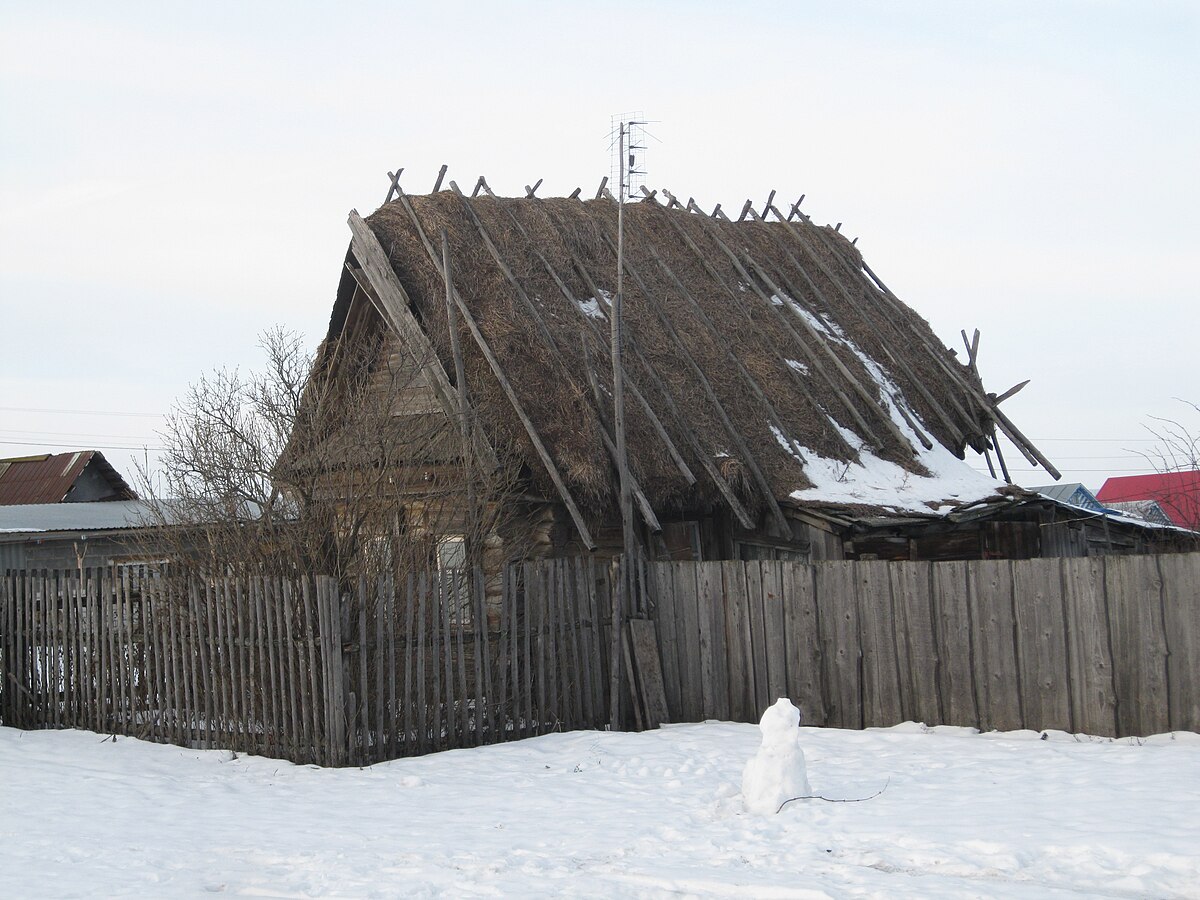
x: 789, y: 367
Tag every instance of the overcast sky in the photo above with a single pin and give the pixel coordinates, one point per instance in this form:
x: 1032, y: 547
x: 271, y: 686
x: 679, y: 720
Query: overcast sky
x: 175, y: 178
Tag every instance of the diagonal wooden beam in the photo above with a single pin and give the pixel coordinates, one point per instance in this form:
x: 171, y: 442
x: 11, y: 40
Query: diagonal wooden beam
x: 630, y: 384
x: 1012, y: 390
x: 603, y: 187
x: 395, y: 185
x: 530, y: 191
x: 767, y: 207
x: 389, y: 298
x: 797, y: 380
x: 939, y: 410
x: 710, y: 393
x: 437, y: 185
x: 498, y: 371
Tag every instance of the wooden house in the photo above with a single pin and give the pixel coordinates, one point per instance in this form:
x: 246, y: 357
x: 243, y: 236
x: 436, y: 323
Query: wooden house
x: 781, y: 401
x: 80, y: 476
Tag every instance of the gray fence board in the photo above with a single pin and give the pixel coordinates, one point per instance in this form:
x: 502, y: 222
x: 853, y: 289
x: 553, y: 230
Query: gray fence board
x: 1042, y: 645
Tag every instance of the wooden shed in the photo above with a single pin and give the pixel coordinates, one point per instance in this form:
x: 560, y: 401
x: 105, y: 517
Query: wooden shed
x: 771, y: 377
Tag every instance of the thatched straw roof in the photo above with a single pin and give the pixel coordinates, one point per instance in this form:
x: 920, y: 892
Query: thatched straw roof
x: 768, y: 355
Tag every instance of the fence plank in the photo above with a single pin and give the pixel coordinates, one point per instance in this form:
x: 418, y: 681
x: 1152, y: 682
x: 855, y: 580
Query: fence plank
x: 710, y: 595
x: 506, y: 693
x: 838, y: 616
x: 423, y: 587
x: 1042, y: 645
x: 916, y: 645
x: 662, y: 575
x: 755, y: 609
x: 582, y: 622
x: 954, y: 636
x: 1139, y: 644
x: 996, y: 670
x: 877, y: 627
x: 695, y: 660
x: 364, y: 713
x: 773, y: 624
x: 738, y: 647
x: 1181, y: 618
x: 1089, y: 653
x: 802, y: 646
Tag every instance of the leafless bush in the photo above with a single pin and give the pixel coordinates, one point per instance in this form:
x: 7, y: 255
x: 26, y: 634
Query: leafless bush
x: 306, y: 467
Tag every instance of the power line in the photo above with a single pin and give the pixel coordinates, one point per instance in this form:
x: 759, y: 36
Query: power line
x: 90, y: 446
x: 79, y: 412
x: 28, y: 432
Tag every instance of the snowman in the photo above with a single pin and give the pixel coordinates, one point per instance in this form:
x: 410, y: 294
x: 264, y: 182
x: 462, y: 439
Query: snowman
x: 777, y: 772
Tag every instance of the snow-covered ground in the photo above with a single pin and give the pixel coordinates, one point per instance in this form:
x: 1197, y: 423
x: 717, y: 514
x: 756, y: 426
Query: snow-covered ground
x: 602, y: 814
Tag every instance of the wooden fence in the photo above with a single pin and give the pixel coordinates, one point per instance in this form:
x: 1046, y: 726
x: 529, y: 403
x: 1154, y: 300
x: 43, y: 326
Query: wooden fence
x: 305, y: 671
x: 301, y: 670
x: 1102, y: 645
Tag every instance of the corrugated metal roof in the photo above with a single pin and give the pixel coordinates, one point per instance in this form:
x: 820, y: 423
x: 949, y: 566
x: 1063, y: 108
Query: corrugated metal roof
x: 49, y: 478
x: 40, y: 517
x: 1178, y: 493
x: 1073, y: 493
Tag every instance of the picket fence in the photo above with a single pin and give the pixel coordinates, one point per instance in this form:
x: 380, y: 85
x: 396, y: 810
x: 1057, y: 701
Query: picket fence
x: 303, y: 669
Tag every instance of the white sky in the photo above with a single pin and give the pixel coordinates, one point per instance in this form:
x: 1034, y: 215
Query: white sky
x: 175, y: 178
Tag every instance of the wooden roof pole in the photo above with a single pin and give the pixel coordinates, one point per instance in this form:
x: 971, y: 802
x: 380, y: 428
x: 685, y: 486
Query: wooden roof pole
x: 934, y: 351
x: 536, y: 317
x: 799, y: 382
x: 795, y: 295
x: 1014, y: 434
x: 630, y: 383
x: 956, y: 428
x: 642, y: 501
x: 460, y: 380
x: 497, y: 370
x: 815, y: 361
x: 379, y: 282
x: 711, y: 394
x: 744, y: 518
x: 750, y: 380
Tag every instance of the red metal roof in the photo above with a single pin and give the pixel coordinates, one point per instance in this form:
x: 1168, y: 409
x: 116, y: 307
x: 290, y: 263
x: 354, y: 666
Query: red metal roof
x: 1178, y: 493
x: 49, y: 478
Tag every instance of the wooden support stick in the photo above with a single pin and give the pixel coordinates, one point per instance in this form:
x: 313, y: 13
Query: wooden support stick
x: 395, y: 185
x: 478, y: 186
x: 795, y: 211
x: 734, y: 435
x: 497, y: 370
x: 862, y: 391
x: 643, y: 503
x: 1000, y: 457
x: 972, y: 349
x: 530, y: 191
x: 767, y: 207
x: 947, y: 420
x: 1022, y: 443
x: 587, y: 320
x: 464, y: 426
x: 814, y: 360
x: 1012, y: 390
x: 574, y: 195
x: 437, y: 185
x: 746, y: 210
x: 600, y: 191
x: 737, y: 304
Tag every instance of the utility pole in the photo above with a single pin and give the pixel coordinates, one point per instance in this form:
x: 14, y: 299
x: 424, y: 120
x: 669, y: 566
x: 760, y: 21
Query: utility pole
x: 623, y: 596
